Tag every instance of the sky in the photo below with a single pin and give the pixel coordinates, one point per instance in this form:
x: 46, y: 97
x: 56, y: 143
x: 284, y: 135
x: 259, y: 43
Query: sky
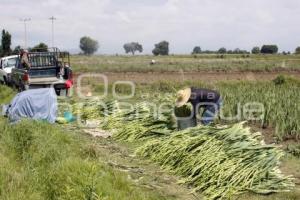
x: 210, y: 24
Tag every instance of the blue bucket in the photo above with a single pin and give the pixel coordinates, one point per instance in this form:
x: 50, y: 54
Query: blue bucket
x: 185, y: 123
x: 69, y: 116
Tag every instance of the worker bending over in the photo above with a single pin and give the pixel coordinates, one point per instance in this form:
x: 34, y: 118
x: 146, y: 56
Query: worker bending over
x: 209, y: 100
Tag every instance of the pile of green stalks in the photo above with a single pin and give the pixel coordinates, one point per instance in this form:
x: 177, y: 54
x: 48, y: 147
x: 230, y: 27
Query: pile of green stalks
x: 88, y: 110
x: 138, y: 123
x: 220, y: 162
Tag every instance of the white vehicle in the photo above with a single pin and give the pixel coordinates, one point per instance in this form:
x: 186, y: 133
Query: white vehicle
x: 6, y: 66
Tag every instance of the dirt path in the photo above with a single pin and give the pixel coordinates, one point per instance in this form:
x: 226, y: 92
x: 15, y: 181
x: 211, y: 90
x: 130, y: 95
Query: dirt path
x: 140, y: 171
x: 192, y: 76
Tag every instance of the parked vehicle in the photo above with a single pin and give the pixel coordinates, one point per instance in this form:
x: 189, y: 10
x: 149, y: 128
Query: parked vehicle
x: 49, y: 68
x: 6, y: 65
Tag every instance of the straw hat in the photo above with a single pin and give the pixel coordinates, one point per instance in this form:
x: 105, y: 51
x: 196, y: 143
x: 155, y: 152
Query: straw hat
x: 183, y: 97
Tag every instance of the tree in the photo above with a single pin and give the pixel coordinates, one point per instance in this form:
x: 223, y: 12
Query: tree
x: 269, y: 49
x: 161, y: 48
x: 88, y: 45
x: 132, y: 47
x: 5, y: 43
x: 297, y: 51
x: 41, y: 47
x: 237, y: 51
x: 222, y: 50
x: 196, y: 50
x: 17, y: 50
x: 255, y: 50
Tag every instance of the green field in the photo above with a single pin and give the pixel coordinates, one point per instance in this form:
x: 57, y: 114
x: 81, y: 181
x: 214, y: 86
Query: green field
x: 163, y: 148
x: 281, y: 112
x: 187, y: 63
x: 42, y: 161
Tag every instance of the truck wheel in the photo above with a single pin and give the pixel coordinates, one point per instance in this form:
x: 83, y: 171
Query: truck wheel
x: 5, y: 80
x: 14, y: 86
x: 19, y: 86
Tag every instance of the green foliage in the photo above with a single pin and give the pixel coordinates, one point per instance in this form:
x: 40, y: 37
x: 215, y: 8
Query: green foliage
x: 161, y: 48
x: 280, y: 110
x: 42, y: 161
x: 5, y: 43
x: 6, y: 94
x: 41, y: 47
x: 297, y: 51
x: 222, y: 56
x: 88, y: 45
x: 196, y: 50
x: 17, y: 50
x: 133, y: 47
x: 222, y: 50
x: 279, y: 80
x: 204, y: 62
x: 220, y: 161
x: 294, y: 149
x: 269, y: 49
x: 255, y: 50
x: 239, y: 51
x: 278, y: 101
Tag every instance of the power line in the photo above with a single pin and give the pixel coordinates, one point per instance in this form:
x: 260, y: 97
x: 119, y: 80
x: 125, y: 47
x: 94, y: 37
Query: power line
x: 25, y: 20
x: 52, y: 21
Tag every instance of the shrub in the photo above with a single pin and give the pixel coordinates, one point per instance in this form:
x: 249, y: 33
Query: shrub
x: 269, y: 49
x: 279, y: 80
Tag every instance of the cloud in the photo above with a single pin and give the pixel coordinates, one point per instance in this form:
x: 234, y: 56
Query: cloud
x: 184, y: 23
x: 123, y: 16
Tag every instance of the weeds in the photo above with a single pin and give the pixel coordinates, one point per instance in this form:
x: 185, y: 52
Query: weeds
x: 41, y: 161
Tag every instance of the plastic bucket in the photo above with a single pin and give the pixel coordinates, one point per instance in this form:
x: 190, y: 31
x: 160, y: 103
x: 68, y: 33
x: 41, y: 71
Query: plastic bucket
x: 186, y: 123
x: 69, y: 117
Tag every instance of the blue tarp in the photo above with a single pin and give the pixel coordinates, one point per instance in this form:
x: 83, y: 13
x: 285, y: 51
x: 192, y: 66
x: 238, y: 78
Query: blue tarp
x: 37, y: 104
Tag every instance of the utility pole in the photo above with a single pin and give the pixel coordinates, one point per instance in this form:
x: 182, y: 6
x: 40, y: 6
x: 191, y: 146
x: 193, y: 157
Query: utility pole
x: 52, y: 21
x: 25, y: 30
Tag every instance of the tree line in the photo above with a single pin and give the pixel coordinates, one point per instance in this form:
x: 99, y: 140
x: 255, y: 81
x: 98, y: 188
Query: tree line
x: 89, y: 46
x: 5, y: 46
x: 265, y: 49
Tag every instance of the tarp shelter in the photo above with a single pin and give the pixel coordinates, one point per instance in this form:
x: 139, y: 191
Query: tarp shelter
x: 37, y: 104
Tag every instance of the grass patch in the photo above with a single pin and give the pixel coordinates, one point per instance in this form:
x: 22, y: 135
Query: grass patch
x: 41, y: 161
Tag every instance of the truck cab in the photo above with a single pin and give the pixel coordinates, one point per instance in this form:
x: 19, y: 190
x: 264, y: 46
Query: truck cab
x: 6, y: 65
x: 47, y: 68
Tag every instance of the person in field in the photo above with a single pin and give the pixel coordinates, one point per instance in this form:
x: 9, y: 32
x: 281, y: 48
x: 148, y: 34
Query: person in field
x: 209, y: 100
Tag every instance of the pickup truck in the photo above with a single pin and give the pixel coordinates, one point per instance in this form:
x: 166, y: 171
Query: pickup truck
x: 6, y: 65
x: 47, y: 69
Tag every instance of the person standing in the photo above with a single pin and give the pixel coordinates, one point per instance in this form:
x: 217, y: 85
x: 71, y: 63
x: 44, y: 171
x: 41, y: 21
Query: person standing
x: 25, y: 59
